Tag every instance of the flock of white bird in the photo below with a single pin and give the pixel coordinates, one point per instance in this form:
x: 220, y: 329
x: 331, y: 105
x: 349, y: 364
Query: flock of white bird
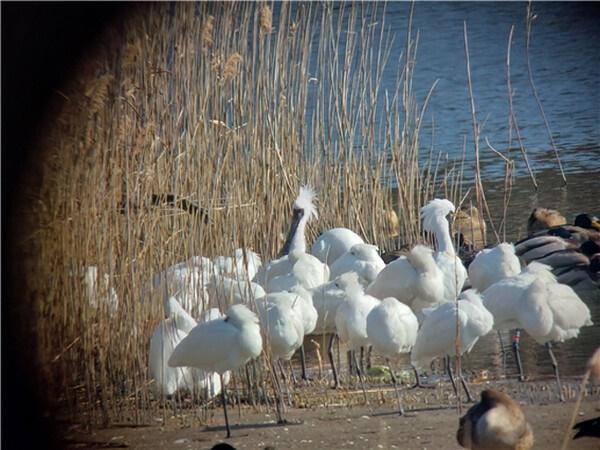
x: 342, y: 286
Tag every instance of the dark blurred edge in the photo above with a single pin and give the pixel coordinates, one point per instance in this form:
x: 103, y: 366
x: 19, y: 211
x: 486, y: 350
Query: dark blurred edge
x: 41, y: 43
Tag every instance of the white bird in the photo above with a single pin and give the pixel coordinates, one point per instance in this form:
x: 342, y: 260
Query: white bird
x: 434, y: 221
x: 166, y: 336
x: 224, y: 291
x: 414, y: 279
x: 186, y: 281
x: 333, y: 243
x: 326, y: 300
x: 392, y: 330
x: 437, y: 335
x: 496, y: 422
x: 242, y: 264
x: 282, y: 328
x: 103, y: 295
x: 306, y: 270
x: 351, y: 319
x: 534, y: 301
x: 363, y: 259
x: 223, y: 344
x: 493, y: 264
x: 303, y: 211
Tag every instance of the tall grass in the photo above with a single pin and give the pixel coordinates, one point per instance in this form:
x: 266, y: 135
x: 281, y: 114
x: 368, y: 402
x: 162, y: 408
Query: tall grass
x: 210, y: 102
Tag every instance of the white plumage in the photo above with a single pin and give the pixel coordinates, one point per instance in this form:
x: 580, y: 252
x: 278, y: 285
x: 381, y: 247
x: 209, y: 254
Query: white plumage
x: 534, y: 301
x: 282, y: 324
x: 306, y: 270
x: 434, y: 221
x: 492, y: 265
x: 219, y: 345
x: 414, y: 279
x: 392, y: 330
x: 437, y: 334
x: 351, y: 315
x: 223, y: 344
x: 363, y: 259
x: 99, y: 295
x: 166, y: 336
x: 333, y: 243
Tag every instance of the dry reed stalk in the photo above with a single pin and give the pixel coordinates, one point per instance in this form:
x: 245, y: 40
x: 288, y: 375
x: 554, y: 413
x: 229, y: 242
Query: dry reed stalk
x: 174, y: 112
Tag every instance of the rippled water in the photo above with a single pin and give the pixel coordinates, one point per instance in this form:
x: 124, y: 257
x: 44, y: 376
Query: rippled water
x: 565, y: 64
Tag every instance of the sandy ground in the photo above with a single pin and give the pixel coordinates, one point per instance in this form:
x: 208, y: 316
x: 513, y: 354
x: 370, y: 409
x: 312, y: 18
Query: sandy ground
x: 336, y: 419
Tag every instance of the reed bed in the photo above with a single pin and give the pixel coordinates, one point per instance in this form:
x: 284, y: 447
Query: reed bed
x: 208, y: 102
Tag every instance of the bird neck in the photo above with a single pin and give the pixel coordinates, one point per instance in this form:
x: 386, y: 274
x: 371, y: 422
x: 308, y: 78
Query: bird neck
x: 442, y: 235
x: 295, y: 237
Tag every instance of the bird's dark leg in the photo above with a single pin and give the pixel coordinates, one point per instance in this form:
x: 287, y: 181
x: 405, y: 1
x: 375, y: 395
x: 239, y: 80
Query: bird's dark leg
x: 449, y: 371
x: 395, y: 381
x: 336, y: 380
x: 294, y: 379
x: 515, y: 343
x: 224, y: 399
x: 303, y: 359
x: 418, y: 381
x: 278, y: 393
x: 285, y: 383
x: 503, y: 352
x: 360, y: 377
x: 464, y: 385
x: 555, y: 367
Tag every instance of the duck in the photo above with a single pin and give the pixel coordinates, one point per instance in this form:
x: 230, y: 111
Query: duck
x: 543, y: 218
x: 496, y: 422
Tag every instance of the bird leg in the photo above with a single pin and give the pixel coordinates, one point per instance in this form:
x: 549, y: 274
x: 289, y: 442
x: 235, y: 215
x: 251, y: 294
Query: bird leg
x: 360, y: 377
x: 285, y: 383
x: 516, y: 339
x: 303, y: 359
x: 449, y: 371
x: 503, y: 352
x: 462, y: 380
x: 400, y: 408
x: 418, y: 383
x: 278, y: 393
x: 294, y: 379
x: 555, y: 367
x: 250, y: 384
x: 224, y: 399
x: 336, y: 380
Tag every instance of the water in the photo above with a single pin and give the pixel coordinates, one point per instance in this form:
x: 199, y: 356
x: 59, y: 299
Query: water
x: 565, y: 63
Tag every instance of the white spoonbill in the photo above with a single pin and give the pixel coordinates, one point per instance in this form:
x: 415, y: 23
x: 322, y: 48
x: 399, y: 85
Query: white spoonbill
x: 166, y: 336
x: 102, y: 294
x: 351, y: 319
x: 186, y: 282
x: 434, y: 221
x: 534, y: 301
x: 306, y: 270
x: 392, y: 330
x: 414, y: 279
x: 303, y: 211
x: 496, y: 422
x: 333, y: 243
x: 363, y: 259
x: 437, y: 334
x: 493, y: 264
x: 220, y: 345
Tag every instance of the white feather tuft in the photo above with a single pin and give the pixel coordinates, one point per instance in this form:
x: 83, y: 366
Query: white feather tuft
x: 304, y: 201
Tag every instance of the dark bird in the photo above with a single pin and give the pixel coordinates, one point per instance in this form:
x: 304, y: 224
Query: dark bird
x: 496, y: 422
x: 587, y: 428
